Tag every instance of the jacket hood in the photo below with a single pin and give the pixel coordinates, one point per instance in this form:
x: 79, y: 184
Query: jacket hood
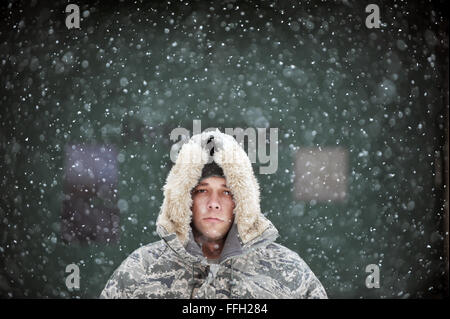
x: 175, y: 213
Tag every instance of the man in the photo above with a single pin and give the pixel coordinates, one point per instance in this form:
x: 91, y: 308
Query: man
x: 215, y: 242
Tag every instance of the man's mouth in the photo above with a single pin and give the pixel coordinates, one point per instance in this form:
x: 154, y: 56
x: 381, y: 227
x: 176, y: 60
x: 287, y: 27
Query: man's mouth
x: 212, y: 219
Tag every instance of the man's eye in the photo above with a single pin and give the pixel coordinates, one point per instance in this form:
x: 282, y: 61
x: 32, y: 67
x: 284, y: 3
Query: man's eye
x: 200, y: 191
x: 227, y: 192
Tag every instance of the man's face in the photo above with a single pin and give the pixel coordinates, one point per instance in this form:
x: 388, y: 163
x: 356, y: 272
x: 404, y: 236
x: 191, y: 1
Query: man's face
x: 212, y: 208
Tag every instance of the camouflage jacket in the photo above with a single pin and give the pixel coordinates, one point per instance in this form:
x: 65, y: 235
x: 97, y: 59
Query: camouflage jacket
x: 251, y: 264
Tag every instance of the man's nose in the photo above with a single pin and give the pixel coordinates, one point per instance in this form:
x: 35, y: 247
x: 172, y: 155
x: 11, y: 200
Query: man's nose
x: 213, y: 203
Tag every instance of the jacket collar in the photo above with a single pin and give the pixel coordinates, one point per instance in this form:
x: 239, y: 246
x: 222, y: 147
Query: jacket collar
x: 233, y: 247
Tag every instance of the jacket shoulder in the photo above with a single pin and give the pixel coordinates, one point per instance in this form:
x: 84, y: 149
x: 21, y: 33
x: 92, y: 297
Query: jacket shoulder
x: 127, y: 277
x: 275, y: 250
x: 150, y: 253
x: 144, y: 256
x: 289, y: 263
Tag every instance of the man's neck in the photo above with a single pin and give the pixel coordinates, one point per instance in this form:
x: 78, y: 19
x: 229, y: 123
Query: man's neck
x: 211, y: 248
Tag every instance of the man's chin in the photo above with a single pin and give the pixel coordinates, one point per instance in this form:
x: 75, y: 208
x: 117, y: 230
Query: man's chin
x: 209, y: 237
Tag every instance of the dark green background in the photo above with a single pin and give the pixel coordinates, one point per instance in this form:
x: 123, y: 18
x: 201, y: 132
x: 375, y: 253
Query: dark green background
x: 299, y: 67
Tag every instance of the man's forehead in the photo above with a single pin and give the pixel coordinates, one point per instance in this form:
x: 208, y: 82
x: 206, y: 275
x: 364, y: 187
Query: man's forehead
x: 206, y: 184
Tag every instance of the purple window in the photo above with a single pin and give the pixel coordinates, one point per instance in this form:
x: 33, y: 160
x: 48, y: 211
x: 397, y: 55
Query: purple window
x: 90, y: 212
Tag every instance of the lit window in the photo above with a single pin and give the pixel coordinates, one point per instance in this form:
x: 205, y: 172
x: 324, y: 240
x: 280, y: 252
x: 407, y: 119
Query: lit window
x: 321, y: 174
x: 90, y: 211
